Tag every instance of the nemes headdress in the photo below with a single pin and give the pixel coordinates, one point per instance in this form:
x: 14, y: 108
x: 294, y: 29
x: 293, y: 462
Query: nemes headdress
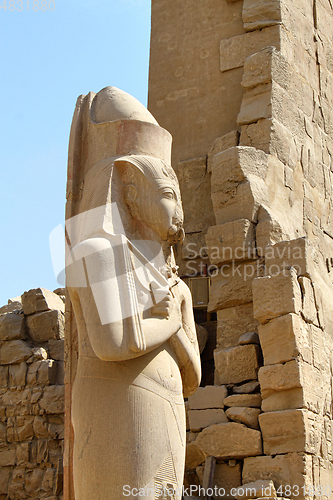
x: 108, y: 128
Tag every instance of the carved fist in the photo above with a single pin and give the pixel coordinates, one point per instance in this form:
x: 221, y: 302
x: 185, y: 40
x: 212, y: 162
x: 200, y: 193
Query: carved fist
x: 163, y: 301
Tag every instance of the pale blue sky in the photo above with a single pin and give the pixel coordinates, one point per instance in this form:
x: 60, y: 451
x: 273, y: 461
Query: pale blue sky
x: 48, y: 59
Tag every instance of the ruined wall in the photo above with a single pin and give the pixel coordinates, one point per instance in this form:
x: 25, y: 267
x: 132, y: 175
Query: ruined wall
x: 255, y: 114
x: 32, y: 396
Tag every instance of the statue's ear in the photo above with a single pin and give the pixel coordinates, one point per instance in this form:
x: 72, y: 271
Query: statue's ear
x: 131, y: 193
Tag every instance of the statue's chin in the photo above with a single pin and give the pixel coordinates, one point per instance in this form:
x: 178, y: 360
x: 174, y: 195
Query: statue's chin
x: 175, y: 235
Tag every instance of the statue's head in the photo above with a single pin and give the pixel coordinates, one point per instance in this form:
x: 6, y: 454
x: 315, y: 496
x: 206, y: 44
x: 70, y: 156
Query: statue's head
x: 152, y: 194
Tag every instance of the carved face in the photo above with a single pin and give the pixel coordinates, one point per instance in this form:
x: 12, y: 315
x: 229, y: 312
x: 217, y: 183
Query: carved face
x: 157, y: 203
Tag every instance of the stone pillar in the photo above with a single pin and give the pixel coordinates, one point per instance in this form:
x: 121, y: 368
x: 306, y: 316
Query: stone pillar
x: 245, y: 88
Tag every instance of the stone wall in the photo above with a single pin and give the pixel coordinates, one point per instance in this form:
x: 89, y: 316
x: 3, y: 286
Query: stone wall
x: 32, y: 396
x: 245, y: 87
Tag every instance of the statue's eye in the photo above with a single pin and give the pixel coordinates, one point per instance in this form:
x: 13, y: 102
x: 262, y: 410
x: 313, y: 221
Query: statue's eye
x: 168, y: 194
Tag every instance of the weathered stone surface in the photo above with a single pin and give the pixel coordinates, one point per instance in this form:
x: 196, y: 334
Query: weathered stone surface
x: 280, y: 377
x: 12, y: 327
x: 244, y: 415
x: 291, y: 468
x: 231, y: 241
x: 247, y: 388
x: 237, y: 364
x: 226, y: 477
x: 4, y: 480
x: 289, y: 431
x: 257, y: 489
x: 15, y: 305
x: 199, y: 419
x: 249, y: 338
x: 7, y: 456
x: 14, y: 351
x: 251, y: 400
x: 229, y: 140
x: 284, y: 400
x: 275, y: 296
x: 284, y: 338
x: 56, y: 349
x: 235, y: 50
x: 241, y: 201
x: 202, y: 336
x: 235, y: 165
x: 40, y: 299
x: 46, y: 325
x: 233, y: 322
x: 309, y: 310
x: 194, y: 456
x: 17, y: 374
x: 296, y: 253
x: 231, y: 285
x: 260, y: 13
x: 211, y: 396
x: 256, y: 105
x: 52, y: 400
x: 229, y: 440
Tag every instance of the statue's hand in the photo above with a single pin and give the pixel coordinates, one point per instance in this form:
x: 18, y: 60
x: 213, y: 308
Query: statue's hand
x: 164, y: 307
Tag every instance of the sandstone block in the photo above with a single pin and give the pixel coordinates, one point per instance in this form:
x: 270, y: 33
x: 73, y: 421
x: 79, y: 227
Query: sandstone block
x: 237, y: 364
x: 242, y: 201
x: 7, y: 456
x: 46, y: 325
x: 289, y: 431
x: 256, y: 105
x: 284, y: 338
x: 284, y: 400
x: 13, y: 305
x: 251, y: 400
x: 291, y: 468
x: 40, y: 427
x: 194, y: 456
x: 309, y: 310
x: 17, y: 374
x: 3, y: 376
x: 249, y: 338
x: 233, y: 322
x: 12, y: 327
x: 47, y: 372
x: 275, y: 296
x: 40, y: 299
x: 229, y: 440
x: 258, y: 14
x: 257, y: 489
x: 229, y: 140
x: 294, y: 253
x: 244, y: 415
x: 258, y: 68
x: 235, y: 50
x: 235, y: 165
x: 52, y: 400
x: 211, y: 396
x: 268, y: 232
x: 226, y: 477
x: 199, y: 419
x: 14, y: 351
x: 231, y: 241
x: 232, y: 285
x: 280, y: 377
x: 4, y: 480
x: 247, y: 388
x: 33, y: 482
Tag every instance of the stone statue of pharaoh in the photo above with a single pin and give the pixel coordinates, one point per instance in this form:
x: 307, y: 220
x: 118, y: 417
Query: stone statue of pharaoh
x: 138, y: 351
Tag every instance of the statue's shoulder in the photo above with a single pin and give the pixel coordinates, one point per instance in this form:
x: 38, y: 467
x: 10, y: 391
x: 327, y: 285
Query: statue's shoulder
x: 91, y: 246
